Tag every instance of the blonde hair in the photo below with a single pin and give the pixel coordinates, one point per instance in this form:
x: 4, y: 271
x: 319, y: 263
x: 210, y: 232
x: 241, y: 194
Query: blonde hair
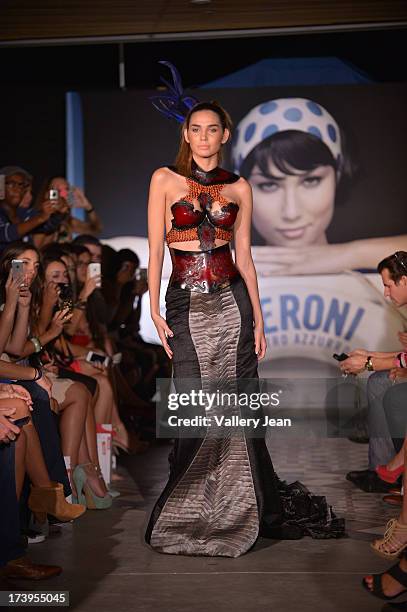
x: 183, y: 161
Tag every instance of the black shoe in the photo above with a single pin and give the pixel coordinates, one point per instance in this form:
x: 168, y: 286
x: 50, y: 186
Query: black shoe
x: 368, y: 481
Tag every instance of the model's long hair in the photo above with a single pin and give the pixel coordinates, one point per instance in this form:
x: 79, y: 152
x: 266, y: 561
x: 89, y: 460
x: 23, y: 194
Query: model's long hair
x: 183, y: 160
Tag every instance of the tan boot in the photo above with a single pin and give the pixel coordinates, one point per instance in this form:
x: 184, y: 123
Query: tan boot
x: 51, y: 500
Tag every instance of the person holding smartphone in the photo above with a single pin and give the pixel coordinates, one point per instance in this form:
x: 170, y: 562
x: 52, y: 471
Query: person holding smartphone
x: 17, y: 221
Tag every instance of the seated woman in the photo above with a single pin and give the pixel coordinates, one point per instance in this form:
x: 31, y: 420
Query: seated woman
x: 76, y: 404
x: 44, y: 460
x: 85, y: 333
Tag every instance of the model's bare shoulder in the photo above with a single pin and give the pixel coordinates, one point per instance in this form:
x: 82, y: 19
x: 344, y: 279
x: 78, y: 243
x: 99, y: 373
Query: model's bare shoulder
x: 161, y: 175
x: 243, y: 190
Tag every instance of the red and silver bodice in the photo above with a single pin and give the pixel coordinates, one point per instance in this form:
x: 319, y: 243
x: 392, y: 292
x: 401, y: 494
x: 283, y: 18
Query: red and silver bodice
x: 211, y: 267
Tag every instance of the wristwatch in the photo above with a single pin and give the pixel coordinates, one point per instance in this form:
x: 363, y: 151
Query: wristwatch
x: 369, y: 364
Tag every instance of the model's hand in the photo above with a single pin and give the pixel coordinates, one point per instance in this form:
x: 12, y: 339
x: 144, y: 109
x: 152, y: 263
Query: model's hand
x: 353, y: 365
x: 314, y: 259
x: 260, y: 344
x: 164, y: 332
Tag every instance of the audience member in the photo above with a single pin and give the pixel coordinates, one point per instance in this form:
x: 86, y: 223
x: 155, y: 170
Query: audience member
x: 384, y: 464
x: 18, y: 221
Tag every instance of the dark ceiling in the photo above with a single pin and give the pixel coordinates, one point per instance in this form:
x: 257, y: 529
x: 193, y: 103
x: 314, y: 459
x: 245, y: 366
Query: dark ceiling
x: 378, y: 49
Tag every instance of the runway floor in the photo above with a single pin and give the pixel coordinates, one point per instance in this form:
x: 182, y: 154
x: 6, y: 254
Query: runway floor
x: 107, y: 566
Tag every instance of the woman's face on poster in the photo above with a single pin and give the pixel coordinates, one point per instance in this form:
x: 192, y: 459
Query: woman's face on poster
x: 293, y: 210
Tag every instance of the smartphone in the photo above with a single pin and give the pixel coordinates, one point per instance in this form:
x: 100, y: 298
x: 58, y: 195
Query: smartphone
x: 340, y: 357
x: 96, y: 358
x: 2, y: 186
x: 140, y: 274
x: 65, y: 292
x: 21, y: 422
x: 53, y: 195
x: 17, y: 268
x: 95, y: 269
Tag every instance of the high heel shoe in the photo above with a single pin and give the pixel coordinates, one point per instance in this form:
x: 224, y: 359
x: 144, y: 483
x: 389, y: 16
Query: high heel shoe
x: 393, y: 542
x: 51, y: 500
x: 387, y: 475
x: 84, y: 492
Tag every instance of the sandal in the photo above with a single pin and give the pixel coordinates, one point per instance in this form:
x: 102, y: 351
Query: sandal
x: 396, y: 573
x: 390, y: 546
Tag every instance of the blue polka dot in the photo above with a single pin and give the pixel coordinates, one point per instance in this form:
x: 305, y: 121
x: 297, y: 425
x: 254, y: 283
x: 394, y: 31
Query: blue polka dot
x: 269, y: 131
x: 251, y: 128
x: 332, y: 132
x: 315, y: 131
x: 314, y: 108
x: 293, y: 114
x: 268, y: 107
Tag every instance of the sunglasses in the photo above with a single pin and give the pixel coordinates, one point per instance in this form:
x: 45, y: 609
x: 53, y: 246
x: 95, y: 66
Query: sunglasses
x: 19, y: 184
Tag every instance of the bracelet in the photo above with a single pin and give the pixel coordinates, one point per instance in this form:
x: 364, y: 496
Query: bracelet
x: 38, y: 374
x: 89, y: 210
x: 369, y: 364
x: 37, y: 344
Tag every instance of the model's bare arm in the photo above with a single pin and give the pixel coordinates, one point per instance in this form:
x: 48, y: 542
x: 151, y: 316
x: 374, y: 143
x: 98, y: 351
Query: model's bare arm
x: 156, y: 229
x: 244, y: 261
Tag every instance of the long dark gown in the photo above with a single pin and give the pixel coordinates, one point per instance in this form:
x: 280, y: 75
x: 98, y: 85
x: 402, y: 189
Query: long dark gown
x: 222, y: 491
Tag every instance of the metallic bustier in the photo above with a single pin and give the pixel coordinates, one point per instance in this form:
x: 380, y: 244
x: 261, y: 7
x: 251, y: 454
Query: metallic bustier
x: 203, y: 271
x: 207, y: 223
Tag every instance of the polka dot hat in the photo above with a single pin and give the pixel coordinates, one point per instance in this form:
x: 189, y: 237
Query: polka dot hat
x: 280, y: 115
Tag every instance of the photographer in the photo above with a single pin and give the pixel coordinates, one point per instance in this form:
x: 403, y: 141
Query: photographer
x: 19, y: 222
x: 66, y: 197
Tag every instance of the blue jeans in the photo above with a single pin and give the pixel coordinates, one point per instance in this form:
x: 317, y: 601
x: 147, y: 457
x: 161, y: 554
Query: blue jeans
x: 381, y: 447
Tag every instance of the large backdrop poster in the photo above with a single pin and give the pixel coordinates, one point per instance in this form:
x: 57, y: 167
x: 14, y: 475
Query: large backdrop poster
x: 317, y: 234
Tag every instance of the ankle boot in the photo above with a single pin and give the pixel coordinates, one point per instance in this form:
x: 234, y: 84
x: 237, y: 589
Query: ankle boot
x: 51, y: 500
